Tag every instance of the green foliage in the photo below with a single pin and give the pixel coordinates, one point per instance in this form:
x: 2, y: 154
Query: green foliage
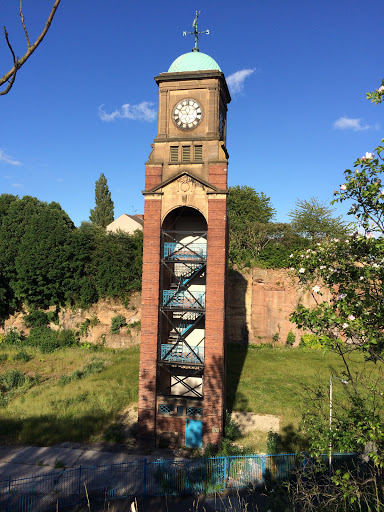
x: 276, y: 337
x: 88, y: 322
x: 3, y: 357
x: 350, y: 271
x: 12, y: 379
x: 311, y: 341
x: 14, y: 337
x: 48, y: 340
x: 89, y: 369
x: 315, y: 220
x: 45, y: 260
x: 36, y: 318
x: 273, y: 442
x: 22, y: 356
x: 102, y: 214
x: 117, y: 323
x: 245, y: 204
x: 291, y: 338
x: 114, y: 433
x: 231, y: 428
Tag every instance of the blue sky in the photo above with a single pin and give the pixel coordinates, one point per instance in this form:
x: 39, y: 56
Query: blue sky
x: 298, y: 72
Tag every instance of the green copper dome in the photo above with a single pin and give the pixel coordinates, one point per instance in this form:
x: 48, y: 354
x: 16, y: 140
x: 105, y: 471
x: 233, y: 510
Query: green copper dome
x: 193, y: 61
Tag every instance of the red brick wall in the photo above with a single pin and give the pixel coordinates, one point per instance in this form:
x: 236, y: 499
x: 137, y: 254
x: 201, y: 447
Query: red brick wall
x: 218, y: 175
x: 152, y: 176
x: 149, y: 324
x: 214, y: 383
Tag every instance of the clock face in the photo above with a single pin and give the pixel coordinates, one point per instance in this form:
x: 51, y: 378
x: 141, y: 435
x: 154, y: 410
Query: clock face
x: 187, y: 114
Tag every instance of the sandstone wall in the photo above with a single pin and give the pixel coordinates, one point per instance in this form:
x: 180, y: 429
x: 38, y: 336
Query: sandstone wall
x: 259, y: 302
x: 104, y: 310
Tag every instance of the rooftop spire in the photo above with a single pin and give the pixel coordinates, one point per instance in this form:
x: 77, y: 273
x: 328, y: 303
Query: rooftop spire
x: 196, y: 32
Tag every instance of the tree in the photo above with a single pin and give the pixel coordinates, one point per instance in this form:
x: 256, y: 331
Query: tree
x: 10, y: 77
x: 351, y: 271
x: 102, y: 214
x: 245, y: 204
x: 314, y: 220
x: 248, y: 211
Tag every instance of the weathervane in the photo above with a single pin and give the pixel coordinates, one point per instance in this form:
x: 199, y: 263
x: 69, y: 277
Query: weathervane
x: 196, y: 32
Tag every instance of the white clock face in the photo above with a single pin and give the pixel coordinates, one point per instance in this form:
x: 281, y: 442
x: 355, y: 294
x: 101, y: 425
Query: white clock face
x: 187, y: 114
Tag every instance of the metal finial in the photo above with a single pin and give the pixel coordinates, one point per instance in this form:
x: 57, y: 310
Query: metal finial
x: 196, y: 32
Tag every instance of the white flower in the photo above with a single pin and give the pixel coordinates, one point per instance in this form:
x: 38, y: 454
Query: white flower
x: 343, y: 187
x: 361, y: 278
x: 341, y: 296
x: 345, y: 325
x: 351, y: 317
x: 291, y: 269
x: 375, y: 265
x: 368, y: 156
x: 316, y: 288
x: 369, y: 235
x: 381, y: 89
x: 291, y: 255
x: 301, y: 270
x: 322, y: 267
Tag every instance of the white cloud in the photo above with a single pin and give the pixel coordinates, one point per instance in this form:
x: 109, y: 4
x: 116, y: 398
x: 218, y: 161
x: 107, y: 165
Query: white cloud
x: 348, y: 123
x: 236, y: 80
x: 8, y: 159
x: 17, y: 185
x: 143, y: 111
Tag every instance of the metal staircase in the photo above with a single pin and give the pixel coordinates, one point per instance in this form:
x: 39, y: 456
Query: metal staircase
x: 182, y: 306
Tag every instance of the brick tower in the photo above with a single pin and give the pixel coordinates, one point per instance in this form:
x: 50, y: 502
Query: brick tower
x: 182, y: 349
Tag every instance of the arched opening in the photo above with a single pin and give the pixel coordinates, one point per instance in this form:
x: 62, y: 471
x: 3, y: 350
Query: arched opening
x: 180, y: 385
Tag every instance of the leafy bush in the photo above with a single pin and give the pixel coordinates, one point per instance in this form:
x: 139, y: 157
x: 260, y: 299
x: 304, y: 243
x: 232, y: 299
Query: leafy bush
x: 273, y: 442
x: 14, y: 337
x: 66, y: 338
x: 43, y: 338
x: 311, y: 341
x: 231, y: 429
x: 117, y: 323
x: 22, y: 356
x: 36, y: 318
x: 12, y: 379
x: 3, y: 357
x: 95, y: 367
x: 114, y: 433
x: 47, y: 340
x: 291, y: 338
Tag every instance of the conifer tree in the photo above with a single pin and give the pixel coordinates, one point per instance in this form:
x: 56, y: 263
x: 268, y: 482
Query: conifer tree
x: 103, y: 213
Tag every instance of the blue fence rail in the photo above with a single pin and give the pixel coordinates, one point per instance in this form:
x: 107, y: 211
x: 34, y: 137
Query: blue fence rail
x: 60, y: 489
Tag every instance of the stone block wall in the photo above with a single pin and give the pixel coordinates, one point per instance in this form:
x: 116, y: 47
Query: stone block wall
x: 259, y: 303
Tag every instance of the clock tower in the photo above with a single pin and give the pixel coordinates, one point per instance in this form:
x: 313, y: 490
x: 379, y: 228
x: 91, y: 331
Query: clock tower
x: 182, y: 348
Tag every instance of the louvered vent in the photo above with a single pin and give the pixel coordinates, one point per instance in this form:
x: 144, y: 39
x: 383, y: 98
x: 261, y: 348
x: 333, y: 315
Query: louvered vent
x: 198, y: 154
x: 186, y: 154
x: 174, y: 154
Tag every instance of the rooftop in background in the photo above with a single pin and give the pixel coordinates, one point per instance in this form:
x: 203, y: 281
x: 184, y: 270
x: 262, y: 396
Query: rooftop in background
x: 193, y: 61
x: 127, y: 223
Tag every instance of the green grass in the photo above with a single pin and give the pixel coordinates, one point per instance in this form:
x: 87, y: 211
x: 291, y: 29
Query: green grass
x: 46, y: 412
x: 272, y: 381
x: 76, y: 395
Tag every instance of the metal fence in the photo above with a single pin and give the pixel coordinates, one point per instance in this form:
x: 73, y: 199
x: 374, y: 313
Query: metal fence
x: 60, y: 489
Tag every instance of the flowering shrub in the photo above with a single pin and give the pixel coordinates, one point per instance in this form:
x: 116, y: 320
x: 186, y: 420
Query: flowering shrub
x: 351, y: 271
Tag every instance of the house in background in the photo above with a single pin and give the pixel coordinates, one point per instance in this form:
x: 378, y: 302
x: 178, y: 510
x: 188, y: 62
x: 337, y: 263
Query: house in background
x: 127, y: 223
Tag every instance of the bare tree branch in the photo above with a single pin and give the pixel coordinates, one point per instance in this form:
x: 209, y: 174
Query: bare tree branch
x: 17, y: 63
x: 14, y: 63
x: 23, y: 23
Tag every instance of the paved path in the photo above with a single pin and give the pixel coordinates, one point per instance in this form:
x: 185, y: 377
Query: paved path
x: 24, y: 461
